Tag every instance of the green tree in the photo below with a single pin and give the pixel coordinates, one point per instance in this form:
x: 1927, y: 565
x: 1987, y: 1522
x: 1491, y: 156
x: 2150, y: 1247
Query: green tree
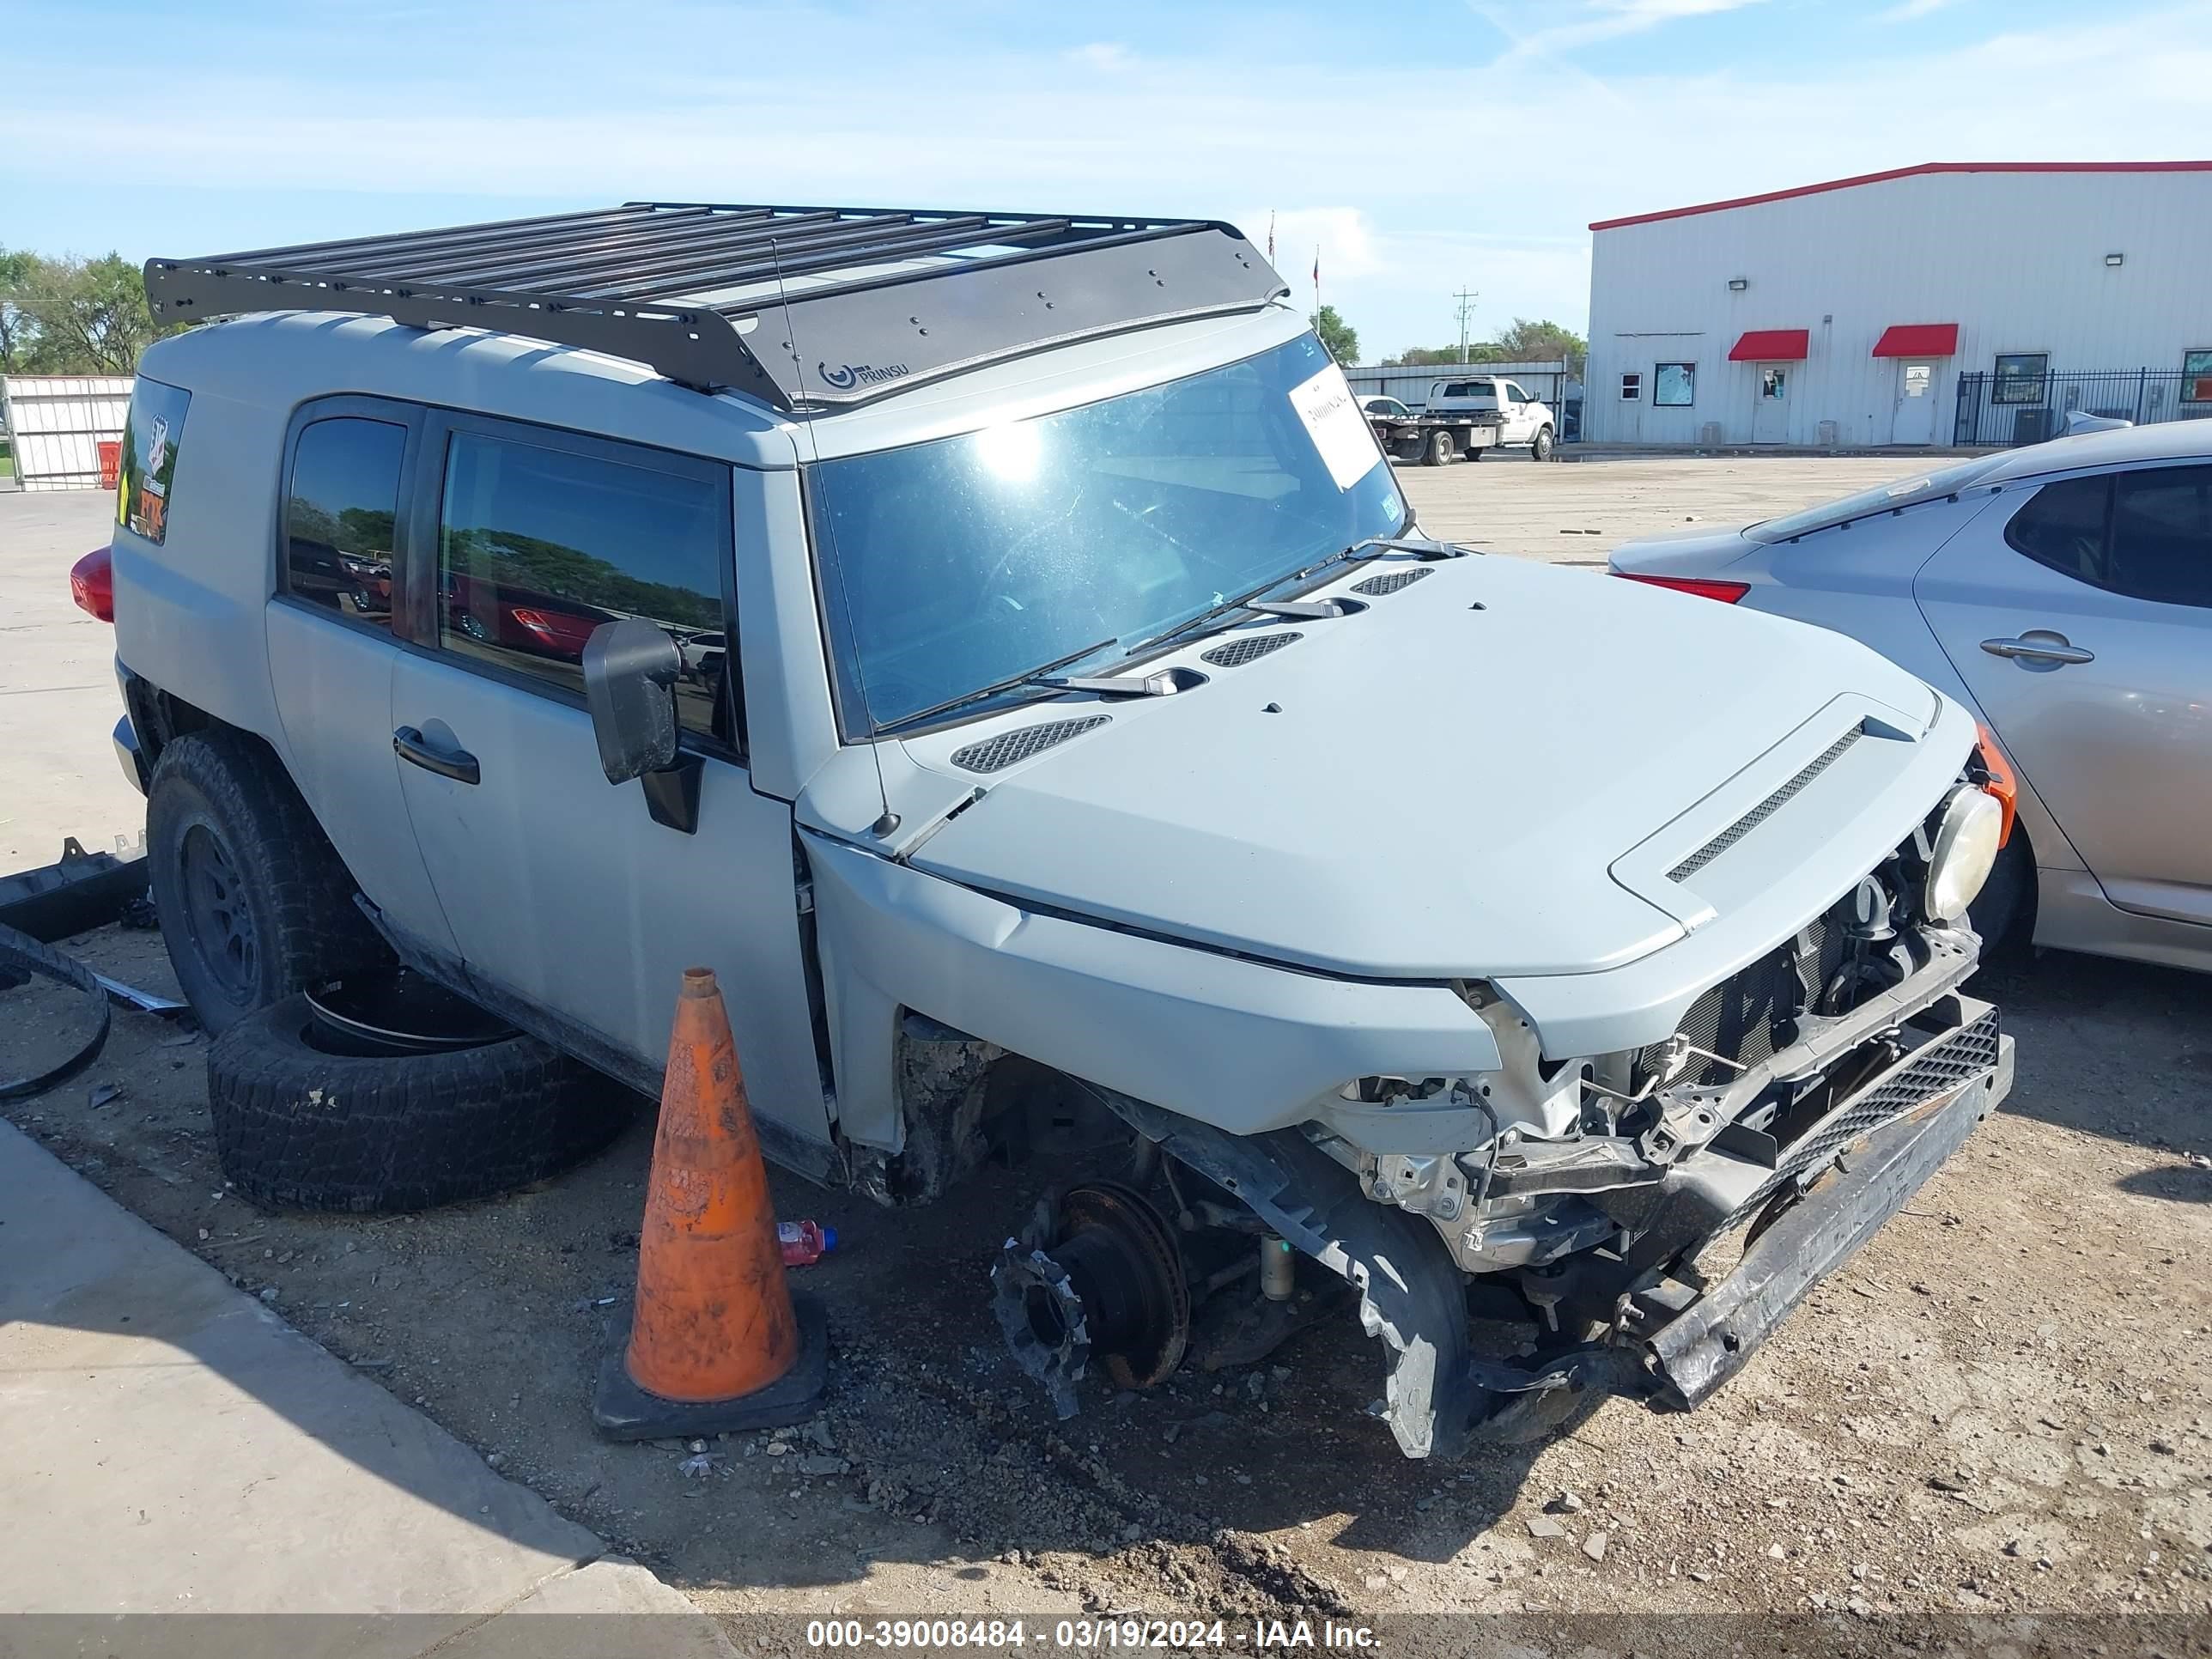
x: 70, y: 316
x: 1525, y: 341
x: 1338, y: 336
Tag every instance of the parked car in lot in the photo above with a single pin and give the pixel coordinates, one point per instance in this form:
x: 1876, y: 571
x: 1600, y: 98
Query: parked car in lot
x: 1525, y: 422
x: 2063, y: 592
x: 1309, y: 897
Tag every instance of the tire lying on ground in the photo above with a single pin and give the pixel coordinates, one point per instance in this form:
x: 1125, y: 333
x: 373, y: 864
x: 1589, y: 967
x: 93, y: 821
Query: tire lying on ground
x: 300, y: 1127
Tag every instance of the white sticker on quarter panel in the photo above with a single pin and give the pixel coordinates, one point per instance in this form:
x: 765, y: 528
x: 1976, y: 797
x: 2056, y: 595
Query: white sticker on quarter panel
x: 1339, y: 430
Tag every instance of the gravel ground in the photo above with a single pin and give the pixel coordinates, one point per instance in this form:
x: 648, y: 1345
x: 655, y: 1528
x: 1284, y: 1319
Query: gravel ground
x: 1998, y: 1408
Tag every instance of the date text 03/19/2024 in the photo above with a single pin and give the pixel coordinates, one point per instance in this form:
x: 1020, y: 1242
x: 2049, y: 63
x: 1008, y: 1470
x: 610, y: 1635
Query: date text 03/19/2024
x: 989, y: 1635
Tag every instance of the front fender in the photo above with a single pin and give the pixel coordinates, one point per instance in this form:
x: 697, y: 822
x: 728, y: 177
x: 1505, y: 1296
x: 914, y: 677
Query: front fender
x: 1244, y: 1046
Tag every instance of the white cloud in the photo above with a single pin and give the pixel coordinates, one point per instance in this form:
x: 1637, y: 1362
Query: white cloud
x: 1106, y: 55
x: 1911, y: 9
x: 1567, y: 27
x: 495, y: 122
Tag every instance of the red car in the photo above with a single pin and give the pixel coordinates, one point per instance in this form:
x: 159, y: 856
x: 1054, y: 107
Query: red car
x: 543, y: 624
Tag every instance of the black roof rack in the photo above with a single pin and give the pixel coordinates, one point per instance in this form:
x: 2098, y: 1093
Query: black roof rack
x: 798, y: 306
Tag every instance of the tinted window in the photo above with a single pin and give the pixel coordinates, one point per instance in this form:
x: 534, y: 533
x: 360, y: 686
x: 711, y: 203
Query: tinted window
x: 537, y: 546
x: 148, y: 462
x: 339, y: 513
x: 2063, y: 525
x: 2161, y: 546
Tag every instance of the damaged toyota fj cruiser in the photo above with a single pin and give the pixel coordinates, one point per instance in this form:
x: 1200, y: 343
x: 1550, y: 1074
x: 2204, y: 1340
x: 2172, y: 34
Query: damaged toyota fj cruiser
x: 1091, y: 759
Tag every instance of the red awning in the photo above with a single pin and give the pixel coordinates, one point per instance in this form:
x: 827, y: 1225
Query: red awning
x: 1772, y: 345
x: 1918, y: 340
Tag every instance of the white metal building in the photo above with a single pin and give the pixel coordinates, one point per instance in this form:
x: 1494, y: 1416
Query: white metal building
x: 1956, y: 302
x: 58, y: 425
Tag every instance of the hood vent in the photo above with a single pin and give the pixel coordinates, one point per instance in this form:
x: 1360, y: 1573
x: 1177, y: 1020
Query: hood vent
x: 996, y: 754
x: 1389, y: 582
x: 1249, y: 647
x: 1766, y: 809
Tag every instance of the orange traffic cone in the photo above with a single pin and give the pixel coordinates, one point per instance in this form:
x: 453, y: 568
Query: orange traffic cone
x: 717, y: 1341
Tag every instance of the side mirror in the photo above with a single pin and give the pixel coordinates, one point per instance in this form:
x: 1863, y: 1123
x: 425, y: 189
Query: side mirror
x: 630, y: 669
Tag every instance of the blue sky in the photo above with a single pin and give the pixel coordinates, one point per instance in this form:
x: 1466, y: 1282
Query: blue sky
x: 1421, y: 146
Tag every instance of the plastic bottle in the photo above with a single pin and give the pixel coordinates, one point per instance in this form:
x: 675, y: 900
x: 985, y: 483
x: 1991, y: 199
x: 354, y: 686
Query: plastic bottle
x: 805, y: 1242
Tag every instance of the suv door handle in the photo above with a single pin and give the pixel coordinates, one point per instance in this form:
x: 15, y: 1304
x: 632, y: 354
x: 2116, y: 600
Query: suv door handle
x: 458, y: 764
x: 2050, y: 648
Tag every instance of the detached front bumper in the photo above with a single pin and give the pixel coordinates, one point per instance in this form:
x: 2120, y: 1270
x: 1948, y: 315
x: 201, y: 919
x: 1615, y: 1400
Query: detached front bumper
x: 1857, y: 1169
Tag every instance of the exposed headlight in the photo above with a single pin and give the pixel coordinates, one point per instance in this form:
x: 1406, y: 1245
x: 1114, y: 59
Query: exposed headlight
x: 1966, y: 842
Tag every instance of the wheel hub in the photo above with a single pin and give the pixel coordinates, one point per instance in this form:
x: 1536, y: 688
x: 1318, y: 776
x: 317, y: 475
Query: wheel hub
x: 217, y: 916
x: 1102, y: 1276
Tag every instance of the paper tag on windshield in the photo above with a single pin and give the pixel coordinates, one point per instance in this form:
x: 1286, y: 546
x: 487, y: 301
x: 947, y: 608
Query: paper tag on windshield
x: 1339, y: 430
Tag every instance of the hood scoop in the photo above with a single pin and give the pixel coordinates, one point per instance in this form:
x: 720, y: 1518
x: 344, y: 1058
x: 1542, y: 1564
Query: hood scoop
x: 1249, y: 647
x: 1766, y: 809
x: 995, y: 754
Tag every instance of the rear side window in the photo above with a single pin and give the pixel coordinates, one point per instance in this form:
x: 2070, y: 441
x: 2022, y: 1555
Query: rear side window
x: 340, y: 509
x: 2063, y: 525
x: 2162, y: 535
x: 538, y: 545
x: 148, y: 462
x: 2146, y: 535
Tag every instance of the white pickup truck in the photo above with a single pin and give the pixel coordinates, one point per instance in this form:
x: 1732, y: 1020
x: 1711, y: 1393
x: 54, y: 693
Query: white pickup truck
x: 1529, y: 422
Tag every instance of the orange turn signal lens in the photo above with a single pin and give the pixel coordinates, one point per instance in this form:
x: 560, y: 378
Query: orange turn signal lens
x: 1999, y: 778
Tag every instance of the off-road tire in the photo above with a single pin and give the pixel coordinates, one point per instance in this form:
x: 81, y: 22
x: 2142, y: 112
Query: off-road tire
x: 222, y: 797
x: 1439, y: 450
x: 1539, y: 446
x: 297, y: 1127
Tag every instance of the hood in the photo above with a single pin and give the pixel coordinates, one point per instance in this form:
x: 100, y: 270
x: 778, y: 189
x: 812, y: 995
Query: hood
x: 1435, y: 786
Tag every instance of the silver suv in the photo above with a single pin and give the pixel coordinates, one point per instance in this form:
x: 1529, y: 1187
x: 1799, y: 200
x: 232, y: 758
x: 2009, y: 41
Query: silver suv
x: 1091, y: 759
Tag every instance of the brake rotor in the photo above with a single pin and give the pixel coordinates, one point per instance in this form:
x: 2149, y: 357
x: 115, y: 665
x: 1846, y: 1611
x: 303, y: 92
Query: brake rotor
x: 1105, y: 1279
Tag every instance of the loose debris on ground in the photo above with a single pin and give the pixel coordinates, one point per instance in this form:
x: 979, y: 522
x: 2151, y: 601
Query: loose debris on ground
x: 2004, y: 1404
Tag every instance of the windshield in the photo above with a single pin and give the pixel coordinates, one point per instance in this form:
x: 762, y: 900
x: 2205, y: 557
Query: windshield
x: 952, y: 565
x: 1905, y: 492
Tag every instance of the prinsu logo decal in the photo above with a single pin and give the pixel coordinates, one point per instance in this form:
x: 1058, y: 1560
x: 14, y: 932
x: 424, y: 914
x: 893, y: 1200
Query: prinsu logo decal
x: 845, y: 376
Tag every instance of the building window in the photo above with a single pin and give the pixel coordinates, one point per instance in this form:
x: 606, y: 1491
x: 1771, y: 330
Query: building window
x: 2197, y: 377
x: 1674, y: 386
x: 2021, y: 377
x: 1631, y: 388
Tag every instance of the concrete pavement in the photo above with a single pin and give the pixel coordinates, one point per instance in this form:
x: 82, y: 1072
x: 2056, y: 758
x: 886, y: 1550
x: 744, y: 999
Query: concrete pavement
x: 59, y: 700
x: 168, y: 1445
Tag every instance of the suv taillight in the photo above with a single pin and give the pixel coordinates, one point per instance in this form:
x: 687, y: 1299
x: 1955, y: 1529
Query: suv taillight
x: 92, y: 584
x: 1704, y: 588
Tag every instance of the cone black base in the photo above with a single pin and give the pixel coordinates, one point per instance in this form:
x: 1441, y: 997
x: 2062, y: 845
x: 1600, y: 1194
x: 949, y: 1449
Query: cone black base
x: 624, y: 1411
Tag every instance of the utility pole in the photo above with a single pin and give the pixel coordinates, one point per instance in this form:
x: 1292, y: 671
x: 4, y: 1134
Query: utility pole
x: 1467, y: 297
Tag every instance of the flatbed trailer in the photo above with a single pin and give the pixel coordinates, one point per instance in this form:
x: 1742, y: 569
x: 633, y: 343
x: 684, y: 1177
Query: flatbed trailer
x: 1438, y: 440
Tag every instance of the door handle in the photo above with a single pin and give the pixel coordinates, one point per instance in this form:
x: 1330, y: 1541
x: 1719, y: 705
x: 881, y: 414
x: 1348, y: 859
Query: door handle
x: 458, y: 764
x: 2050, y: 648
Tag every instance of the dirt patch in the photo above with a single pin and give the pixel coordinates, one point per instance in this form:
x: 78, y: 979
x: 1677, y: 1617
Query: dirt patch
x: 2001, y: 1404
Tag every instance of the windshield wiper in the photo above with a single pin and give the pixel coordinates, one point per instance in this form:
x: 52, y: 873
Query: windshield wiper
x: 1041, y: 675
x: 1373, y: 547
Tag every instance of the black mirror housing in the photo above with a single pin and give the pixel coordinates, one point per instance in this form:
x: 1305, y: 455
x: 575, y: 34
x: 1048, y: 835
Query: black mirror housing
x: 630, y: 670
